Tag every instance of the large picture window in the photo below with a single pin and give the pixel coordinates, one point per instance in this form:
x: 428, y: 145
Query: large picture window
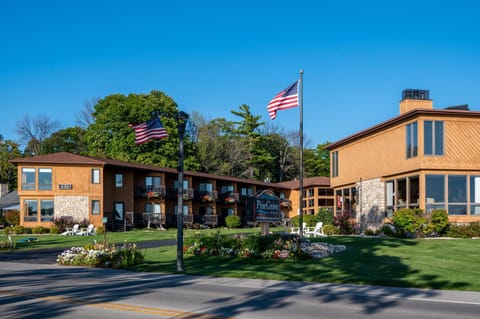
x: 412, y: 140
x: 435, y: 191
x: 475, y: 195
x: 433, y: 137
x: 28, y: 178
x: 45, y: 179
x: 31, y: 211
x: 457, y: 194
x: 46, y: 210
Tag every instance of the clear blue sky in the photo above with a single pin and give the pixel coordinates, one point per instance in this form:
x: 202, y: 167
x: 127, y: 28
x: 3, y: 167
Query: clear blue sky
x: 213, y: 56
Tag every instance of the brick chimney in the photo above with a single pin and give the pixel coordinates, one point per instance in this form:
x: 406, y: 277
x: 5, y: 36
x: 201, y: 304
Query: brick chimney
x: 415, y: 99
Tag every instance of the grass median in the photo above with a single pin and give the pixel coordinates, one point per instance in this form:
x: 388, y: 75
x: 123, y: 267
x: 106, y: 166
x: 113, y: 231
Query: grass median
x: 422, y: 263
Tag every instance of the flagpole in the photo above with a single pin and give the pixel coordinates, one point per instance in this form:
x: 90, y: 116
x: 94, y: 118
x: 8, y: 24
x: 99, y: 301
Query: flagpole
x: 300, y: 104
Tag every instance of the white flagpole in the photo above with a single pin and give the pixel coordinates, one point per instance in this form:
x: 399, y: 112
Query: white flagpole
x: 300, y: 104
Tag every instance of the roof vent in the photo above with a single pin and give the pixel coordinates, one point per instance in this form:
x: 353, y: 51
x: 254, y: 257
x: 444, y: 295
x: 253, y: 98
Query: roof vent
x: 415, y: 94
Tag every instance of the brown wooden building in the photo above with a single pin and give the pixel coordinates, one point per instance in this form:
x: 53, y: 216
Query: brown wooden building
x: 81, y: 188
x: 317, y: 194
x: 426, y: 158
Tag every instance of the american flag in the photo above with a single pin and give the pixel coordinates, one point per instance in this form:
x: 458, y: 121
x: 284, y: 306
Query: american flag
x: 286, y: 99
x: 150, y: 130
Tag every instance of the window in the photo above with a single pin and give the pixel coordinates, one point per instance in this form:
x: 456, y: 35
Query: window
x: 95, y: 207
x: 185, y: 184
x: 119, y: 180
x: 328, y: 202
x: 311, y: 203
x: 31, y: 211
x: 95, y: 176
x: 325, y: 192
x: 45, y: 179
x: 390, y: 198
x: 153, y: 183
x: 435, y: 192
x: 227, y: 189
x: 246, y: 191
x: 413, y: 191
x: 475, y: 195
x: 335, y: 164
x: 457, y: 194
x: 433, y: 137
x: 28, y: 178
x: 311, y: 192
x: 46, y: 210
x: 412, y: 140
x: 185, y: 210
x: 205, y: 187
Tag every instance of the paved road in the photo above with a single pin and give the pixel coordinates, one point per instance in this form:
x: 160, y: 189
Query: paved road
x: 45, y: 290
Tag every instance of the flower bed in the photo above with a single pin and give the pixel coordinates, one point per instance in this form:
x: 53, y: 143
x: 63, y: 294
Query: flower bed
x: 276, y: 246
x: 102, y: 255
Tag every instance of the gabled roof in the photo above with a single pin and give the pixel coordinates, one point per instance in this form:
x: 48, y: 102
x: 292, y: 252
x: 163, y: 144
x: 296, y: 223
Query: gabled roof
x: 10, y: 201
x: 320, y: 181
x: 403, y: 118
x: 74, y: 159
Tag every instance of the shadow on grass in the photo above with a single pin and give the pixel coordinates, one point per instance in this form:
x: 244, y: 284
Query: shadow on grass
x: 364, y: 262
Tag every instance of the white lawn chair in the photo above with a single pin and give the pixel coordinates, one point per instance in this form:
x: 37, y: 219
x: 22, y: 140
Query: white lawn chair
x: 316, y: 231
x: 71, y: 231
x: 296, y: 230
x: 87, y: 232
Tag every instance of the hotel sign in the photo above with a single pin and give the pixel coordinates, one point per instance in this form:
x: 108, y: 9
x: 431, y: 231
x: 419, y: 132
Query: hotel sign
x: 266, y: 208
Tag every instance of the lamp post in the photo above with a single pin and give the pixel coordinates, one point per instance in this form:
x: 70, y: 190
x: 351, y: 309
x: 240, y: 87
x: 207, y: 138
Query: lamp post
x: 182, y: 118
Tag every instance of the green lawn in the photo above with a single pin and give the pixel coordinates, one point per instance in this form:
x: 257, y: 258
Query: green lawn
x: 436, y: 264
x: 423, y: 263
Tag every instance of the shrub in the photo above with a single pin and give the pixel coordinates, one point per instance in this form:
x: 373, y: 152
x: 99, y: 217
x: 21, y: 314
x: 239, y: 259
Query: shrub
x: 15, y: 230
x: 464, y: 230
x: 345, y: 223
x: 233, y: 221
x: 330, y: 230
x: 325, y: 215
x: 40, y: 230
x: 311, y: 220
x: 100, y: 230
x: 12, y: 218
x: 370, y: 232
x: 54, y: 230
x: 409, y: 222
x: 439, y: 221
x: 388, y: 230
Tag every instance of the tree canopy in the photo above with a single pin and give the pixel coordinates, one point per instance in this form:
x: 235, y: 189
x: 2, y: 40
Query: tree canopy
x: 246, y: 147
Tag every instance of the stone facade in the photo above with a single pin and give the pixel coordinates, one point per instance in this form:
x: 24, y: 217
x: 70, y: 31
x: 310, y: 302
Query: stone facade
x: 371, y: 204
x: 75, y: 207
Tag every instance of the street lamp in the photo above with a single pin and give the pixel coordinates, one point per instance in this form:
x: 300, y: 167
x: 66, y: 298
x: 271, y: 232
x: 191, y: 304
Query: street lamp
x: 182, y: 118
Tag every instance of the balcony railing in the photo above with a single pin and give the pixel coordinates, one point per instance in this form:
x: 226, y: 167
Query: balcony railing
x: 151, y: 191
x: 285, y: 203
x: 230, y: 198
x: 206, y: 197
x: 211, y: 220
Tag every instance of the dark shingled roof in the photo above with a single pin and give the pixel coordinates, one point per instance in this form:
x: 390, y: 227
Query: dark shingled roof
x: 9, y: 199
x: 69, y: 158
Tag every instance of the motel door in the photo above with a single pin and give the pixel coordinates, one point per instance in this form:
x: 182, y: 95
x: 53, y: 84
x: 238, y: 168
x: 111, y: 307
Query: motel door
x: 119, y: 211
x: 156, y: 212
